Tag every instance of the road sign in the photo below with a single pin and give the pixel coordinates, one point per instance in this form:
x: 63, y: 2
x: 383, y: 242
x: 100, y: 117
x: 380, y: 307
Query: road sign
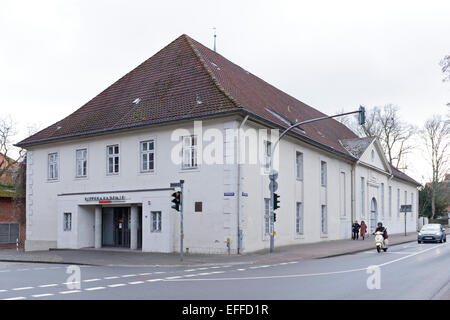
x: 406, y: 208
x: 175, y: 185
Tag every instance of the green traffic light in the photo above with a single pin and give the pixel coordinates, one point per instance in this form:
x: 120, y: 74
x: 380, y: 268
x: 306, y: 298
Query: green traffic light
x: 276, y: 201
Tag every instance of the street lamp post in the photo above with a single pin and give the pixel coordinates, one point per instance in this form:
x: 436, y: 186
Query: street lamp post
x: 273, y: 174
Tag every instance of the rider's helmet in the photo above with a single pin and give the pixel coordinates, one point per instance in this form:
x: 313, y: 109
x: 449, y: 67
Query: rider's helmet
x: 380, y: 224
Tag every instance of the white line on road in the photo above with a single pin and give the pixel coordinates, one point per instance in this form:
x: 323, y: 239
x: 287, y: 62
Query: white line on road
x: 2, y: 290
x: 69, y: 292
x: 154, y: 280
x: 42, y: 295
x: 23, y: 288
x: 145, y: 274
x: 116, y: 285
x: 15, y: 298
x: 95, y: 288
x: 128, y: 275
x: 136, y: 282
x: 91, y: 280
x: 109, y: 278
x: 170, y: 278
x: 48, y: 285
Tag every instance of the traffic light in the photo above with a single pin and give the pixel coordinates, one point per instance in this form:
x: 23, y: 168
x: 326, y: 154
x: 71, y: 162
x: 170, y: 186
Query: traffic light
x: 274, y: 217
x: 176, y: 200
x: 276, y: 202
x: 362, y: 115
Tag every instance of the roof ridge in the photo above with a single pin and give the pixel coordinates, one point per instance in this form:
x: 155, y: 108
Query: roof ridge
x: 209, y: 72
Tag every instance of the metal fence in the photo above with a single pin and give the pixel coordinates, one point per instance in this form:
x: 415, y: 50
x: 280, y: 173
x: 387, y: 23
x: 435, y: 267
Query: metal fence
x: 9, y: 232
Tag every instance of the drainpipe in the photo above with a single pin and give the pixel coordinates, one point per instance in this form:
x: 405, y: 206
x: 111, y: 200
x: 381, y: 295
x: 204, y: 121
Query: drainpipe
x: 239, y: 191
x: 353, y: 191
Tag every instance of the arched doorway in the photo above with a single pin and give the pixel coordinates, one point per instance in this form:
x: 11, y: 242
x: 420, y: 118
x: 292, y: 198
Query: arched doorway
x: 373, y: 215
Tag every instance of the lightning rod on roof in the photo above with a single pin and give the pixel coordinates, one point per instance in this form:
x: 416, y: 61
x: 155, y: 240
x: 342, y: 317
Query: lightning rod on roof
x: 215, y: 36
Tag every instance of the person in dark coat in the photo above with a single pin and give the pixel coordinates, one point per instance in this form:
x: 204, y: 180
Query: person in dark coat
x: 355, y: 230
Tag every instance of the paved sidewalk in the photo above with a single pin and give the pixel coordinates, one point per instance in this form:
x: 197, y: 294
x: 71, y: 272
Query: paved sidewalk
x: 118, y: 257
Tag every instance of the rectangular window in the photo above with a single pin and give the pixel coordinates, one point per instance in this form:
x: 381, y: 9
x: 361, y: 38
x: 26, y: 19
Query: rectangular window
x: 198, y: 206
x: 9, y: 232
x: 147, y: 156
x: 190, y: 152
x: 81, y: 162
x: 324, y: 222
x: 299, y: 165
x: 398, y: 202
x: 67, y: 221
x: 266, y: 216
x: 412, y: 204
x: 267, y: 155
x: 390, y: 201
x: 363, y: 197
x: 156, y: 221
x: 406, y: 197
x: 53, y: 166
x: 382, y: 200
x: 299, y: 218
x: 113, y: 159
x: 323, y: 173
x: 342, y: 194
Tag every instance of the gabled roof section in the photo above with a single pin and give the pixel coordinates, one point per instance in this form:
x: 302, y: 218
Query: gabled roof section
x: 187, y: 80
x: 357, y: 146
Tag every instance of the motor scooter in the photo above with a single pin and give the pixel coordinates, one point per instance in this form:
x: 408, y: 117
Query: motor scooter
x: 380, y: 242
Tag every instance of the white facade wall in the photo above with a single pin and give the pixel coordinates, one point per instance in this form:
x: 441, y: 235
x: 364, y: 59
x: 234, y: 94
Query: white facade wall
x: 206, y: 232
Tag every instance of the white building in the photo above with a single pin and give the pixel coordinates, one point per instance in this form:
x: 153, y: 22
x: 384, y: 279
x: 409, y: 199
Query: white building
x: 101, y: 176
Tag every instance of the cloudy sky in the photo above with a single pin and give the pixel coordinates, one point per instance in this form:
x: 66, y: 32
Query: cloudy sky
x: 332, y: 55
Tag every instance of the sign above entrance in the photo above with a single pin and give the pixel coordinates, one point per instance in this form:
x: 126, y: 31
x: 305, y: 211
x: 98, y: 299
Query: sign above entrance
x: 105, y: 198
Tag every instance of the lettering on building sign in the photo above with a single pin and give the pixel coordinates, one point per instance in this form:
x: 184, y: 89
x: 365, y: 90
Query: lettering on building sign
x: 105, y: 198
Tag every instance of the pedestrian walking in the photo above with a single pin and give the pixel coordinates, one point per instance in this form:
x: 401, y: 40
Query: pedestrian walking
x: 355, y: 230
x: 363, y: 229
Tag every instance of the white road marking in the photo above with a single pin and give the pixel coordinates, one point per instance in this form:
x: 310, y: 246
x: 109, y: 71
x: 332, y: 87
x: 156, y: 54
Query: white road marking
x: 109, y: 278
x: 189, y: 270
x: 145, y: 274
x: 215, y: 272
x: 23, y: 288
x: 95, y: 288
x: 136, y: 282
x: 204, y: 274
x: 38, y: 268
x: 91, y: 280
x: 42, y: 295
x: 309, y: 274
x: 216, y: 267
x: 154, y: 280
x: 69, y: 292
x: 2, y: 290
x: 240, y: 269
x: 170, y: 278
x: 116, y: 285
x: 128, y: 275
x: 159, y: 272
x: 70, y: 282
x: 48, y: 285
x: 189, y: 275
x: 15, y: 298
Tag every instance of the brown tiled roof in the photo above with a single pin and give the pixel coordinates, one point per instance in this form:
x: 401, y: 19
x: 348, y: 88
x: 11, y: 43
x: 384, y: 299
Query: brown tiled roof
x: 186, y: 79
x: 402, y: 176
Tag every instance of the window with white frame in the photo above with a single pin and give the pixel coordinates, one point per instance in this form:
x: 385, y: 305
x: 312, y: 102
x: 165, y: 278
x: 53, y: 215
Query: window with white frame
x: 398, y: 202
x: 406, y: 197
x: 190, y: 152
x: 412, y: 204
x: 155, y: 221
x: 147, y: 156
x: 382, y: 200
x: 53, y: 166
x: 67, y: 221
x: 81, y: 163
x: 299, y: 218
x: 266, y: 216
x: 390, y: 201
x: 267, y: 155
x: 299, y: 165
x: 342, y: 194
x: 324, y: 220
x: 113, y: 158
x: 363, y: 196
x: 323, y: 173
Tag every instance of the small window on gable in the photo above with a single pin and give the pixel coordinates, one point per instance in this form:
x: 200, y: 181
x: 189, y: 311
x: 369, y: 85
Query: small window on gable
x: 373, y: 155
x: 198, y: 206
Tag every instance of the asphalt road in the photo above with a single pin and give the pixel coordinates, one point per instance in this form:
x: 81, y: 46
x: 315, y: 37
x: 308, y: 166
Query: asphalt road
x: 407, y: 271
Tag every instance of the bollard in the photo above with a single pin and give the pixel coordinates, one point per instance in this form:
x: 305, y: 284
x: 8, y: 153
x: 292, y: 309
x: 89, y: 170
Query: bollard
x: 17, y: 244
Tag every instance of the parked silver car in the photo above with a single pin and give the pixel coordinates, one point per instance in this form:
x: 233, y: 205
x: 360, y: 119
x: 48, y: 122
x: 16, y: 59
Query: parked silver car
x: 433, y: 232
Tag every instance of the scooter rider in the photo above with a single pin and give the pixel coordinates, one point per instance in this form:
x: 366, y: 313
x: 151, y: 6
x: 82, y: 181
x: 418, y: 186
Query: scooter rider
x: 382, y: 229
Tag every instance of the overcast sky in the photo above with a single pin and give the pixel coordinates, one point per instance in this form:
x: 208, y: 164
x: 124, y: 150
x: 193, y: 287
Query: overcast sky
x: 332, y: 55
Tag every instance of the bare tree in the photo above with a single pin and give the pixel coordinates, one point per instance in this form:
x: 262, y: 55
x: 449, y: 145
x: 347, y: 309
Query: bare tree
x: 394, y: 134
x: 436, y: 136
x: 445, y: 65
x: 7, y: 132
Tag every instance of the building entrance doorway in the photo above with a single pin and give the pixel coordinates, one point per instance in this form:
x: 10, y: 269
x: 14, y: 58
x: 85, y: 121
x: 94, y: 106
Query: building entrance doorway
x: 373, y: 215
x: 116, y: 222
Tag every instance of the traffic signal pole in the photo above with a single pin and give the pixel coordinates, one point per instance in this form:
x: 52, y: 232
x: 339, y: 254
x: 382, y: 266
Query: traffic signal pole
x: 272, y: 173
x: 181, y: 220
